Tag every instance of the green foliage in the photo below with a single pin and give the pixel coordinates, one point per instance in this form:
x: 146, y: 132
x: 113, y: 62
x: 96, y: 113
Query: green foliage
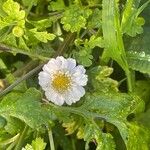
x: 131, y: 22
x: 25, y: 106
x: 14, y: 16
x: 84, y: 56
x: 139, y: 53
x: 75, y: 18
x: 42, y: 36
x: 96, y: 33
x: 37, y: 144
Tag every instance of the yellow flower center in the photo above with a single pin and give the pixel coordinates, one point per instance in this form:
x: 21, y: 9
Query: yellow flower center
x: 61, y: 82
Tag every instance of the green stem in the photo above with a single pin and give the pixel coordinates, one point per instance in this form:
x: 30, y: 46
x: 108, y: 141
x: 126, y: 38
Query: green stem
x: 2, y: 143
x: 73, y: 144
x: 11, y: 146
x: 129, y: 81
x: 51, y: 141
x: 21, y: 139
x: 9, y: 88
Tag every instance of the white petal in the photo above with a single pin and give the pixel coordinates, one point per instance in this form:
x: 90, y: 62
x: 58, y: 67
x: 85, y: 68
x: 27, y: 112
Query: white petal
x: 62, y: 61
x: 51, y: 66
x: 44, y: 80
x: 79, y: 70
x: 54, y: 97
x: 76, y: 93
x: 80, y: 80
x: 59, y: 100
x: 71, y: 63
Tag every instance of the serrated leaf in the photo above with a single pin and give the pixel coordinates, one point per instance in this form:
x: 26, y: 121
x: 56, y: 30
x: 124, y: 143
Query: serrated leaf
x: 138, y: 137
x: 131, y: 23
x: 94, y: 41
x: 115, y: 110
x: 103, y: 140
x: 42, y: 36
x: 113, y: 105
x: 57, y: 5
x: 13, y: 11
x: 38, y: 144
x: 25, y: 107
x: 100, y: 80
x: 95, y: 20
x: 84, y: 56
x: 28, y: 147
x: 74, y: 18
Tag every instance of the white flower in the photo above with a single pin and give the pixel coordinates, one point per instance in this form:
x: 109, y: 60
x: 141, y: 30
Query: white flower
x: 63, y: 81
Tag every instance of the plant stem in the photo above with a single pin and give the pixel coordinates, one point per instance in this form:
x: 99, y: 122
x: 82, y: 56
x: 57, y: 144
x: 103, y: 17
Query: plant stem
x: 9, y: 88
x: 73, y: 144
x: 51, y: 141
x: 129, y: 81
x: 2, y: 143
x: 21, y: 138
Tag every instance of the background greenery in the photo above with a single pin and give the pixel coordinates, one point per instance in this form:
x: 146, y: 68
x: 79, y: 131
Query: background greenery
x: 108, y: 37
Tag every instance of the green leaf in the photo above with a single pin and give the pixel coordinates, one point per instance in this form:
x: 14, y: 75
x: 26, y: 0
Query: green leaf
x: 42, y: 24
x: 13, y: 9
x: 139, y: 61
x: 38, y: 144
x: 95, y: 20
x: 15, y: 16
x: 2, y: 122
x: 30, y: 2
x: 113, y: 42
x: 42, y: 36
x: 100, y: 80
x: 103, y: 140
x: 142, y: 89
x: 14, y: 125
x: 113, y: 108
x: 138, y: 53
x: 25, y: 107
x: 138, y: 137
x: 57, y: 5
x: 94, y: 41
x: 113, y: 105
x: 131, y: 23
x: 75, y: 18
x: 28, y: 147
x: 84, y: 56
x: 144, y: 119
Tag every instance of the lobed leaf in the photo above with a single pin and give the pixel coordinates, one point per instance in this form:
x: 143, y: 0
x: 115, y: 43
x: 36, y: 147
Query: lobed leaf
x: 26, y: 107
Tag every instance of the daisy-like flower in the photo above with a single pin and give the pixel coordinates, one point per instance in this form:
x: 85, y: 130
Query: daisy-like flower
x: 63, y: 81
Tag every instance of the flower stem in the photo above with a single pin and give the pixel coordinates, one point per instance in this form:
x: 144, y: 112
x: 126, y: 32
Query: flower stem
x: 51, y: 141
x: 9, y: 88
x: 21, y: 138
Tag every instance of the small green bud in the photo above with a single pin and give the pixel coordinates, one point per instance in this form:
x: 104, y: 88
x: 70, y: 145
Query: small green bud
x: 17, y: 31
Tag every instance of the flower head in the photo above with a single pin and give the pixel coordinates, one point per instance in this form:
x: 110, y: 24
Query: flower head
x: 63, y: 81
